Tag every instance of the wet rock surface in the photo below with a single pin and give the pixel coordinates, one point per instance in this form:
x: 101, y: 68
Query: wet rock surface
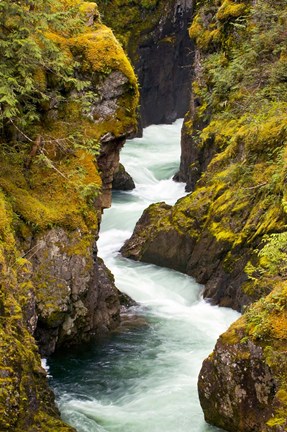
x: 76, y: 297
x: 156, y: 239
x: 156, y: 39
x: 237, y: 388
x: 122, y: 180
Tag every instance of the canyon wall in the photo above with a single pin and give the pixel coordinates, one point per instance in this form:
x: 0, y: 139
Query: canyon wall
x: 55, y: 180
x: 230, y: 232
x: 154, y: 33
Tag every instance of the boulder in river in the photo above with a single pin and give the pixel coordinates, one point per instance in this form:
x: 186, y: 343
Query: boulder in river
x: 122, y: 180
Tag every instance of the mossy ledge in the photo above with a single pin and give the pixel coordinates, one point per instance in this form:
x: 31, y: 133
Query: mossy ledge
x: 55, y: 181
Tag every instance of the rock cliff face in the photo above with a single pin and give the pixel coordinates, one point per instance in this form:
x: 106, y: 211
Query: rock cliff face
x: 242, y: 385
x: 237, y: 143
x: 230, y: 232
x: 53, y: 286
x: 155, y: 36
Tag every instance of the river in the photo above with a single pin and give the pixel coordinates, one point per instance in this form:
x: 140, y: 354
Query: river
x: 144, y: 377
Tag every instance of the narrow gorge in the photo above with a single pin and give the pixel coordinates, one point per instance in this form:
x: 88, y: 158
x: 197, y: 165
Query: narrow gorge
x: 189, y: 240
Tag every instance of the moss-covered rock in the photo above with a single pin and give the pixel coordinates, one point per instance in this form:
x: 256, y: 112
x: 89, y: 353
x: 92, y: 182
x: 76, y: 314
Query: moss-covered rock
x: 242, y: 385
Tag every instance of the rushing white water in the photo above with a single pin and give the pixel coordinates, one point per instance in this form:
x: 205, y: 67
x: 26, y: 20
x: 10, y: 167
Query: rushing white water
x: 144, y: 379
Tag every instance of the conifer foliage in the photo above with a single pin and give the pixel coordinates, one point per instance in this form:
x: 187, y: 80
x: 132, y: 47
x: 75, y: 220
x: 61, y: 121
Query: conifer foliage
x: 33, y: 68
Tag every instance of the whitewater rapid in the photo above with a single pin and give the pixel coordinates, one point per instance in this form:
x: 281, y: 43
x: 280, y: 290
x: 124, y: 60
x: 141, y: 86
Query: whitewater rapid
x: 144, y: 377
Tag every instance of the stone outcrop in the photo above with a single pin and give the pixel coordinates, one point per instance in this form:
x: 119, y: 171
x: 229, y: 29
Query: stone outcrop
x: 122, y: 180
x: 246, y: 393
x: 242, y: 385
x: 163, y: 236
x: 155, y: 36
x: 75, y: 293
x: 53, y: 286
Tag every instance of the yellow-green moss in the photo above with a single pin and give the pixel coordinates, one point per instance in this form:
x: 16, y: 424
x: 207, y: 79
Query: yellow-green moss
x: 102, y: 52
x: 135, y: 20
x: 204, y: 36
x: 230, y: 9
x: 235, y: 333
x: 42, y: 201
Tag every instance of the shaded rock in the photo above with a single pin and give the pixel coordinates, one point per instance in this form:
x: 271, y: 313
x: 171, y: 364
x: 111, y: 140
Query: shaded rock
x: 162, y: 236
x: 122, y: 180
x: 237, y: 388
x: 108, y: 161
x: 156, y: 39
x: 242, y: 384
x: 76, y: 296
x: 126, y: 301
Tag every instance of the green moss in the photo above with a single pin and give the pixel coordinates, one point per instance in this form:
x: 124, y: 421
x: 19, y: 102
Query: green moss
x: 21, y: 376
x: 42, y: 201
x: 135, y: 20
x: 33, y: 199
x: 230, y: 9
x: 102, y: 52
x: 276, y: 421
x: 235, y: 334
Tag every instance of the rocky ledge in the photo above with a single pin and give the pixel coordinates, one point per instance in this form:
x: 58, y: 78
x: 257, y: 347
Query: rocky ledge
x: 242, y: 385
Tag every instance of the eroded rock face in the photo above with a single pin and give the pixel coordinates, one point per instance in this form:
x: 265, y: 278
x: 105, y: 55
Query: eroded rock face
x: 108, y: 161
x: 156, y: 38
x: 53, y: 286
x: 237, y: 388
x: 242, y: 384
x: 162, y: 236
x: 195, y: 155
x: 163, y: 66
x: 76, y: 298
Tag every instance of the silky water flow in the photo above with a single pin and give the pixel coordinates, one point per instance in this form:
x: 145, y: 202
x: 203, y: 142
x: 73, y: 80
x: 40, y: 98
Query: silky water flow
x: 144, y: 377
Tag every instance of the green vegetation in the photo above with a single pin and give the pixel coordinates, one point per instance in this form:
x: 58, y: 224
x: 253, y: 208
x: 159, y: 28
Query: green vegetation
x: 240, y: 93
x: 31, y: 63
x: 56, y: 58
x: 134, y: 20
x: 241, y: 97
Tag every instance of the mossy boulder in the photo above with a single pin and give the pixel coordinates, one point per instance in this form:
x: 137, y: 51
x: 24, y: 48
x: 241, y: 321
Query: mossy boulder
x: 242, y: 385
